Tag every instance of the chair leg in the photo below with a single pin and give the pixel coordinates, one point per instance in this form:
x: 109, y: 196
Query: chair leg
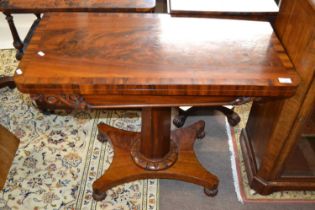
x: 180, y: 119
x: 233, y: 117
x: 20, y: 45
x: 17, y: 43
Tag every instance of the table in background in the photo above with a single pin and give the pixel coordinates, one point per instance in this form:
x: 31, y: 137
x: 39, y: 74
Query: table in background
x: 232, y: 9
x: 37, y: 7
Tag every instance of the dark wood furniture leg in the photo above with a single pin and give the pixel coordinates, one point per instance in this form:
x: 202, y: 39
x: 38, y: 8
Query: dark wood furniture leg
x: 7, y: 81
x: 233, y: 117
x: 30, y: 32
x: 156, y: 152
x: 17, y: 43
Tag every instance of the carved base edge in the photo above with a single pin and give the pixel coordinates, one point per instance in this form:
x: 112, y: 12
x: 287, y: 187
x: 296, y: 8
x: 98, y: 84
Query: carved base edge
x: 102, y: 137
x: 155, y: 164
x: 210, y: 192
x: 260, y: 184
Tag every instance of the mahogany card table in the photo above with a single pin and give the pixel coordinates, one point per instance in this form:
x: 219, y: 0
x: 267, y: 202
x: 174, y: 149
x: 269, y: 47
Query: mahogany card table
x: 154, y: 62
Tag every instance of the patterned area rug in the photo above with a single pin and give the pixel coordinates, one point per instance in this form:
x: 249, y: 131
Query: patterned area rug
x: 59, y: 156
x: 246, y: 194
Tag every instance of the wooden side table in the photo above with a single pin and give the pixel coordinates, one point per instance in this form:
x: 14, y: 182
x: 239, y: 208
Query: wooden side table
x: 94, y: 61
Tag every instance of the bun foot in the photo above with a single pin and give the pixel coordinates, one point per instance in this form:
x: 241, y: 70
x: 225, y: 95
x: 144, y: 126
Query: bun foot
x: 201, y: 130
x: 179, y: 120
x: 47, y: 112
x: 233, y: 119
x: 99, y: 196
x: 102, y: 137
x: 201, y: 135
x: 210, y: 192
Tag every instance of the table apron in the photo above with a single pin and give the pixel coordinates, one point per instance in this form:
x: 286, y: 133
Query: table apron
x: 51, y: 101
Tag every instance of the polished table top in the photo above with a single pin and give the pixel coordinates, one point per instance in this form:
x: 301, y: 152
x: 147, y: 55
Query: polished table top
x: 239, y: 6
x: 34, y: 6
x: 150, y: 54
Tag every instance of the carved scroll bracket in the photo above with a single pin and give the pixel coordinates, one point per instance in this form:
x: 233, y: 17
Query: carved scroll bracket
x: 59, y: 101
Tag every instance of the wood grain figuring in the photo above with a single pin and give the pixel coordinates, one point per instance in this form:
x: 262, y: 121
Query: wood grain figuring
x: 8, y: 146
x: 295, y: 27
x: 302, y: 53
x: 155, y: 136
x: 41, y: 6
x: 123, y: 168
x: 309, y: 128
x: 237, y: 9
x: 150, y: 54
x: 306, y: 172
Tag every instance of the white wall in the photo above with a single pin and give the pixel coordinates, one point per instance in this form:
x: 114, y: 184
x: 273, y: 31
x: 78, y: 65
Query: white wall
x: 22, y: 22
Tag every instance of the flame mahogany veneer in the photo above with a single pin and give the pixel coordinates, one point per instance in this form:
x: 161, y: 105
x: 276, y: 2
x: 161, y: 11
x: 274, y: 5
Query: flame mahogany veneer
x: 154, y: 62
x: 37, y: 7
